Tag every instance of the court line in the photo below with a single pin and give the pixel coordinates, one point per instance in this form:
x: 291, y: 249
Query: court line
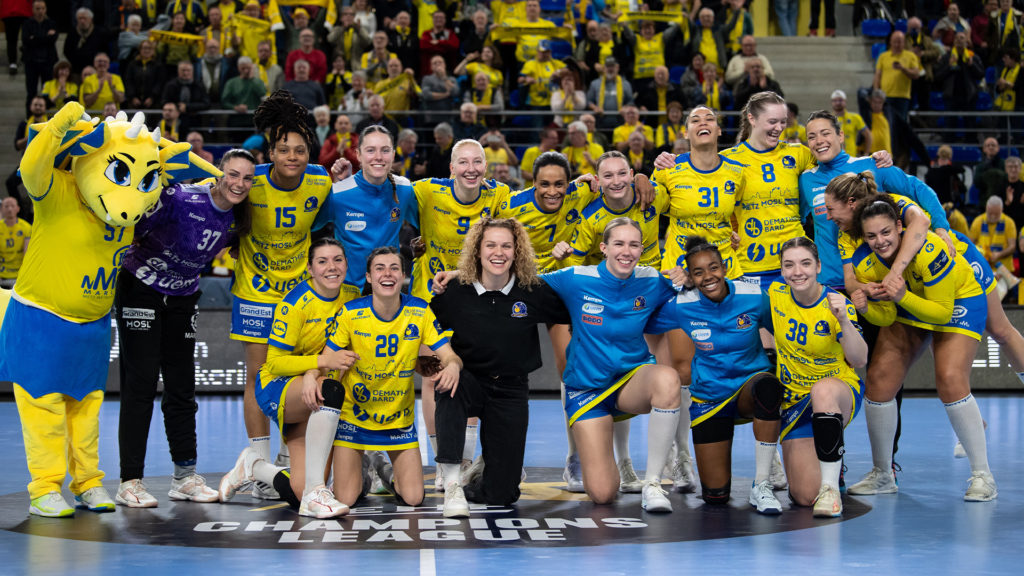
x: 427, y: 564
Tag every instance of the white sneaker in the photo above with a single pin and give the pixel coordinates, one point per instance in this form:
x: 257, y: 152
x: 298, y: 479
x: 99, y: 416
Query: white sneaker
x: 192, y: 488
x: 762, y: 498
x: 239, y: 475
x: 654, y: 498
x: 264, y: 491
x: 455, y: 504
x: 673, y: 453
x: 628, y: 481
x: 96, y: 499
x: 133, y: 494
x: 829, y: 503
x: 876, y: 482
x: 321, y: 503
x: 778, y: 475
x: 683, y: 480
x: 573, y: 474
x: 381, y: 467
x: 981, y: 488
x: 51, y: 505
x: 473, y: 473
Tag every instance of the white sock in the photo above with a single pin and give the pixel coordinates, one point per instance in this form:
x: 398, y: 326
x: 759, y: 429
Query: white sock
x: 450, y: 473
x: 830, y: 473
x: 970, y: 430
x: 320, y: 431
x: 282, y: 450
x: 764, y: 455
x: 263, y: 471
x: 683, y: 431
x: 262, y: 446
x: 620, y: 440
x: 469, y: 448
x: 881, y: 418
x: 433, y: 442
x: 568, y: 430
x: 661, y: 430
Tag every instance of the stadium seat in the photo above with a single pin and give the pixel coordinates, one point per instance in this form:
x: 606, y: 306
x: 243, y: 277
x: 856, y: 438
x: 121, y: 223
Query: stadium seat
x: 966, y: 154
x: 515, y: 100
x: 556, y: 20
x: 984, y: 101
x: 560, y: 49
x: 990, y: 75
x: 675, y: 73
x: 875, y: 28
x: 901, y: 25
x: 935, y: 101
x: 876, y: 50
x: 552, y: 6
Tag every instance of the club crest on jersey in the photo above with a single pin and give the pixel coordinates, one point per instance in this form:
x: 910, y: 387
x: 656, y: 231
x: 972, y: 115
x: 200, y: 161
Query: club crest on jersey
x: 486, y: 212
x: 284, y: 310
x: 572, y: 216
x: 788, y: 161
x: 412, y: 332
x: 743, y: 322
x: 311, y: 204
x: 435, y: 265
x: 519, y: 310
x: 639, y: 303
x: 822, y: 328
x: 396, y: 214
x: 730, y: 186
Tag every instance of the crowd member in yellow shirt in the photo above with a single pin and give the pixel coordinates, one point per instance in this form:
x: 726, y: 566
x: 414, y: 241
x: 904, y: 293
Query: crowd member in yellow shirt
x: 994, y: 233
x: 101, y: 87
x: 881, y: 137
x: 895, y: 70
x: 536, y: 75
x: 631, y: 123
x: 14, y: 237
x: 853, y: 126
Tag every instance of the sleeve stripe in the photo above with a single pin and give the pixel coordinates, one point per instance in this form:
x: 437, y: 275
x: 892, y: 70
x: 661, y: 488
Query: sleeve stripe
x: 281, y: 345
x: 439, y: 343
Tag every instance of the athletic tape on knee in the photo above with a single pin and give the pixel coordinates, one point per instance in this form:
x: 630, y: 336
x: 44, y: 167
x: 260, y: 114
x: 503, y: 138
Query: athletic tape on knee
x: 828, y: 436
x: 716, y: 496
x: 767, y: 393
x: 334, y: 394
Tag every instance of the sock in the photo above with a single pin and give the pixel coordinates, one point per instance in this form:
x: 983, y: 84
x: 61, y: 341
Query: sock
x: 469, y: 448
x: 283, y: 484
x: 970, y: 430
x: 263, y: 471
x: 282, y: 450
x: 450, y: 473
x: 881, y: 419
x: 661, y: 430
x: 320, y: 431
x: 830, y: 473
x: 433, y: 442
x: 262, y: 446
x: 620, y: 440
x: 764, y: 455
x: 184, y: 469
x: 683, y: 430
x: 828, y: 445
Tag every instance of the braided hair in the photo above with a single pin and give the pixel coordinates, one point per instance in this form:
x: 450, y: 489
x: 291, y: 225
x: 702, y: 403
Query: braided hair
x: 280, y: 114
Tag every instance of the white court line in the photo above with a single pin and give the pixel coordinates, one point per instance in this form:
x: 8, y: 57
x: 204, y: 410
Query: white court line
x: 427, y: 565
x: 421, y: 433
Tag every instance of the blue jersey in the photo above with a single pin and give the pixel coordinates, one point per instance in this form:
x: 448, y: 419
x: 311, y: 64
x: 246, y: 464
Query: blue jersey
x: 366, y: 216
x: 725, y: 335
x: 608, y: 319
x: 826, y: 234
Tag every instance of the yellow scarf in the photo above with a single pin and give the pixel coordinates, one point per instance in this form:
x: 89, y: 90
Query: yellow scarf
x: 1007, y: 99
x: 33, y: 120
x: 635, y: 159
x: 344, y: 140
x: 483, y: 98
x: 712, y: 99
x: 1008, y: 26
x: 965, y: 55
x: 605, y: 50
x: 346, y: 43
x: 670, y: 132
x: 662, y: 95
x: 733, y: 41
x: 171, y: 132
x: 570, y: 105
x: 618, y: 92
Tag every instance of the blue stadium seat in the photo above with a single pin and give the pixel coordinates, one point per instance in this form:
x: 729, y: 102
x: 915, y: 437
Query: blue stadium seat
x: 1006, y: 152
x: 875, y: 28
x: 560, y: 49
x: 984, y: 101
x: 515, y: 100
x: 557, y: 20
x: 876, y: 50
x: 217, y: 150
x: 552, y: 5
x: 675, y: 73
x: 901, y: 25
x: 966, y: 154
x: 935, y: 101
x: 990, y: 75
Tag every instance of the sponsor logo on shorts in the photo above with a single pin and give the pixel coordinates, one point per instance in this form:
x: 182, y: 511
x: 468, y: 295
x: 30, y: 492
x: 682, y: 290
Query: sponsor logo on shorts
x: 138, y: 314
x: 959, y: 311
x: 257, y: 311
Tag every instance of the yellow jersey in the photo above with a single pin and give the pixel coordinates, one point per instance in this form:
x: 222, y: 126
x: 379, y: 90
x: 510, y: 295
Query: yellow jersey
x: 272, y: 257
x: 578, y: 163
x: 648, y: 55
x: 586, y: 241
x: 540, y: 91
x: 807, y: 342
x: 546, y: 229
x: 894, y: 82
x: 12, y: 247
x: 379, y: 393
x: 444, y: 222
x: 303, y: 321
x: 508, y: 10
x: 526, y: 44
x: 770, y: 211
x: 91, y: 84
x: 988, y: 237
x: 851, y: 124
x: 797, y: 131
x: 494, y: 76
x: 621, y: 133
x: 702, y: 203
x: 526, y: 162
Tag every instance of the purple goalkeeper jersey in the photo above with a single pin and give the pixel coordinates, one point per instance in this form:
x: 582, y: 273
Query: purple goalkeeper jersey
x: 177, y: 239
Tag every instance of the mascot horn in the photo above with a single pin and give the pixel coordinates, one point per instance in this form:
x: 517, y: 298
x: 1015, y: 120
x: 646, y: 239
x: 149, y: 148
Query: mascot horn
x: 90, y: 183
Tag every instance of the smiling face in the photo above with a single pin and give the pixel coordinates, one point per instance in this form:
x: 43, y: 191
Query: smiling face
x: 468, y: 167
x: 290, y: 156
x: 497, y: 252
x: 327, y: 268
x: 234, y: 186
x: 550, y: 187
x: 702, y: 128
x: 839, y: 211
x: 622, y: 250
x: 800, y: 268
x: 615, y: 178
x: 376, y: 156
x: 708, y: 274
x: 385, y: 275
x: 823, y: 140
x: 882, y: 235
x: 342, y: 124
x: 768, y: 125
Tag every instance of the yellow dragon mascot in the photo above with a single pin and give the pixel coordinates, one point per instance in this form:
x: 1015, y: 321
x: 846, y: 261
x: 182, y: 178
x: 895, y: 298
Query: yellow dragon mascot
x: 90, y: 182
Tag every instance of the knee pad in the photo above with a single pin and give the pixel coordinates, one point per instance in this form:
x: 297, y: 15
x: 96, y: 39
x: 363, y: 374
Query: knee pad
x: 713, y: 430
x: 767, y: 393
x: 716, y: 496
x: 828, y: 436
x: 333, y: 393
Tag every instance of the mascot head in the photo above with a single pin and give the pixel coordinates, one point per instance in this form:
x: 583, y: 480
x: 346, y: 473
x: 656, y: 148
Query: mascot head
x: 120, y: 167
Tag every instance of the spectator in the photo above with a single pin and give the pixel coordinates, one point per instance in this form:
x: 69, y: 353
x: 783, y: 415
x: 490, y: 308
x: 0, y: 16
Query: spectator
x: 125, y: 9
x: 631, y: 123
x: 440, y: 158
x: 438, y: 41
x: 707, y: 39
x: 786, y: 13
x: 144, y: 78
x: 981, y: 29
x: 608, y: 94
x: 61, y: 89
x: 340, y: 143
x: 439, y: 90
x: 503, y: 173
x: 536, y: 76
x: 951, y: 24
x: 39, y: 48
x: 193, y: 11
x: 487, y: 62
x: 468, y: 126
x: 587, y: 53
x: 928, y: 53
x: 995, y: 234
x: 640, y: 158
x: 895, y: 69
x: 171, y: 125
x: 270, y: 73
x: 173, y: 51
x: 548, y: 142
x: 185, y: 91
x: 212, y: 70
x: 399, y: 89
x: 648, y: 53
x: 1004, y: 30
x: 593, y: 135
x: 337, y: 83
x: 755, y: 81
x: 858, y: 135
x: 474, y: 32
x: 388, y: 10
x: 403, y: 41
x: 658, y: 95
x: 738, y: 25
x: 243, y: 92
x: 305, y: 91
x: 946, y: 178
x: 375, y: 62
x: 989, y: 172
x: 293, y: 26
x: 795, y: 132
x: 103, y: 86
x: 197, y: 142
x: 959, y: 73
x: 527, y: 45
x: 16, y: 232
x: 497, y: 151
x: 582, y: 155
x: 1014, y: 191
x: 408, y: 162
x: 957, y: 220
x: 692, y: 82
x: 84, y: 41
x: 316, y: 59
x: 216, y: 31
x: 830, y: 17
x: 737, y: 64
x: 364, y: 16
x: 566, y: 98
x: 129, y: 40
x: 36, y: 114
x: 881, y: 138
x: 375, y: 116
x: 1010, y: 83
x: 484, y: 95
x: 14, y: 13
x: 349, y: 40
x: 248, y: 31
x: 672, y: 127
x: 355, y: 102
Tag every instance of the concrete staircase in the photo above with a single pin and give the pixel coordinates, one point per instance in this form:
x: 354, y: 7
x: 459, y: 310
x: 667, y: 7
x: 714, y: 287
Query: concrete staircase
x: 809, y: 69
x: 12, y: 112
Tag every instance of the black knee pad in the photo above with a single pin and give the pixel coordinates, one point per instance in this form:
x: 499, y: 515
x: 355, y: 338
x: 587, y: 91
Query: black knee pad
x: 333, y: 393
x: 712, y: 430
x: 283, y: 485
x: 767, y: 392
x: 828, y: 436
x: 716, y: 496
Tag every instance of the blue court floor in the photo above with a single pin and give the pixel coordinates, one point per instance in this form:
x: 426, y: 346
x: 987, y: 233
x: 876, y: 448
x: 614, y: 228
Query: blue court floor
x: 926, y: 529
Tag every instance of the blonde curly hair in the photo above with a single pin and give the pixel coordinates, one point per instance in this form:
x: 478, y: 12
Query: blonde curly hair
x: 523, y: 265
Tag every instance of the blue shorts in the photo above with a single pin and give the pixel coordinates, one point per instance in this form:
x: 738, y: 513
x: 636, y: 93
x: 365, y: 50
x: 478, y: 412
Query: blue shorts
x: 981, y: 268
x: 250, y: 321
x: 270, y: 396
x: 45, y: 354
x: 587, y: 404
x: 351, y: 436
x: 701, y: 410
x: 763, y: 279
x: 969, y: 316
x: 796, y: 420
